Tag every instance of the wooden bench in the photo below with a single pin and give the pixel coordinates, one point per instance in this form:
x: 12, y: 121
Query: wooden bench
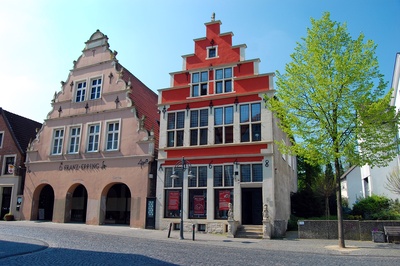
x: 391, y: 231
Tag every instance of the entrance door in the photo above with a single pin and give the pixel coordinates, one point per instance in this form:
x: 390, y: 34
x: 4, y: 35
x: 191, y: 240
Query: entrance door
x: 5, y: 201
x: 251, y: 205
x: 151, y: 213
x: 118, y: 204
x: 46, y: 204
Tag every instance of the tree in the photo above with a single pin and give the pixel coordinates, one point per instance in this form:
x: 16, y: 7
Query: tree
x: 331, y: 100
x: 306, y: 174
x: 393, y: 181
x: 324, y: 186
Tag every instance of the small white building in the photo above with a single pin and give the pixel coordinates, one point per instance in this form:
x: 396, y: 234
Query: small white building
x: 361, y: 182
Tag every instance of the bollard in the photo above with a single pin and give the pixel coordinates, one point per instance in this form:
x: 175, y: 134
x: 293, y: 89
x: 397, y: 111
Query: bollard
x: 193, y: 231
x: 169, y: 231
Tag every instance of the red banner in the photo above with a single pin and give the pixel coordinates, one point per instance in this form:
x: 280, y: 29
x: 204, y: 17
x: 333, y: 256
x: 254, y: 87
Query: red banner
x: 173, y: 200
x: 199, y: 204
x: 224, y: 200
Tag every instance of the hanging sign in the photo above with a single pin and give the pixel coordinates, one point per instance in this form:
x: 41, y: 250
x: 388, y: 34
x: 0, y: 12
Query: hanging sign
x: 224, y: 200
x: 173, y: 200
x: 199, y: 204
x: 10, y: 169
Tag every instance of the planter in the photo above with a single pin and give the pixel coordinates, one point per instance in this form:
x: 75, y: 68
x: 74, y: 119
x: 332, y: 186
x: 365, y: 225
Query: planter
x: 8, y: 217
x: 378, y: 236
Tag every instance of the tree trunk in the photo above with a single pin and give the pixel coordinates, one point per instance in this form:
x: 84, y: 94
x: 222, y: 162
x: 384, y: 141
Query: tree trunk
x: 339, y: 205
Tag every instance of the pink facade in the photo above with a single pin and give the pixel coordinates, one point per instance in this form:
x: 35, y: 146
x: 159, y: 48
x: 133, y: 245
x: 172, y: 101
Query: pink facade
x: 91, y: 161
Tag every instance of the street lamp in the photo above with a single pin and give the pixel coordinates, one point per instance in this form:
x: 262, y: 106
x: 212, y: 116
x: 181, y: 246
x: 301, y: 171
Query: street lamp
x: 182, y: 165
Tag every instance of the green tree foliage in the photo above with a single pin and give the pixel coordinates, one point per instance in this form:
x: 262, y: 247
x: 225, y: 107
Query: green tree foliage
x: 325, y: 186
x: 330, y: 97
x: 377, y: 208
x: 393, y: 181
x: 306, y: 174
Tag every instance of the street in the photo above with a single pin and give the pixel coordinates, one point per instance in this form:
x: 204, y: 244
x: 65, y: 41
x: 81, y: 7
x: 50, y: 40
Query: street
x: 32, y: 243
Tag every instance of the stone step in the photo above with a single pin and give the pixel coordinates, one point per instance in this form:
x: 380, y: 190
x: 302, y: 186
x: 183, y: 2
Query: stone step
x: 249, y: 231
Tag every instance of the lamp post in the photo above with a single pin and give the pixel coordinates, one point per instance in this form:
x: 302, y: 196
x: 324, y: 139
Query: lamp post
x: 182, y: 165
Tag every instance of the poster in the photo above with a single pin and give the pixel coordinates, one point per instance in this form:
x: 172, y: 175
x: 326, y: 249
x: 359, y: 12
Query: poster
x: 224, y: 200
x: 199, y: 204
x: 173, y: 200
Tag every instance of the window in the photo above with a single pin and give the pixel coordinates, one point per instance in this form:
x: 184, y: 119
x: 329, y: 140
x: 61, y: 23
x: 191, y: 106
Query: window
x: 93, y: 138
x: 250, y: 122
x: 223, y: 125
x: 197, y: 203
x: 212, y: 52
x: 80, y: 91
x: 223, y: 80
x: 74, y: 139
x: 200, y: 179
x: 172, y: 194
x: 8, y: 165
x: 199, y: 127
x: 58, y: 136
x: 199, y: 83
x: 251, y: 173
x: 1, y: 138
x: 95, y: 89
x: 223, y: 176
x: 112, y: 136
x: 176, y: 123
x: 222, y: 198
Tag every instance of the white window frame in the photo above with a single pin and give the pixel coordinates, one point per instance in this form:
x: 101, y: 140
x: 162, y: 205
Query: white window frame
x: 97, y: 87
x: 250, y: 122
x: 198, y: 128
x: 5, y: 167
x: 98, y: 134
x: 83, y: 90
x: 199, y: 83
x: 223, y: 80
x: 1, y: 139
x: 76, y: 138
x: 60, y: 141
x: 116, y: 135
x: 208, y: 51
x: 176, y: 131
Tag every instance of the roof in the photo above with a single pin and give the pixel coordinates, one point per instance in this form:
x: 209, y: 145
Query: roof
x: 23, y: 129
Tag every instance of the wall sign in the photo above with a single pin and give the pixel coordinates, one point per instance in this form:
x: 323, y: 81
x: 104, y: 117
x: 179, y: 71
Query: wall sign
x: 83, y: 166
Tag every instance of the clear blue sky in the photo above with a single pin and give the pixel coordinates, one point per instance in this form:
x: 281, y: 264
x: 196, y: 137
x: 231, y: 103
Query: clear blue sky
x: 40, y: 39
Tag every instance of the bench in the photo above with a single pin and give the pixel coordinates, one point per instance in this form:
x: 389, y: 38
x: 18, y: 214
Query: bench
x: 391, y: 231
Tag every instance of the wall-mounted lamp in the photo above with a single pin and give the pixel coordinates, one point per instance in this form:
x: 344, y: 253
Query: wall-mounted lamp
x: 236, y: 102
x: 211, y: 105
x: 141, y: 163
x: 87, y: 107
x: 187, y: 109
x: 59, y: 111
x: 116, y: 102
x: 210, y: 165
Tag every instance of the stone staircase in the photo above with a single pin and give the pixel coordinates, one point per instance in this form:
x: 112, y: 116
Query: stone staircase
x: 249, y: 231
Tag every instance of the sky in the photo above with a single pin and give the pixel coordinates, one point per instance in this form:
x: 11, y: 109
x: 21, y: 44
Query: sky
x: 39, y: 39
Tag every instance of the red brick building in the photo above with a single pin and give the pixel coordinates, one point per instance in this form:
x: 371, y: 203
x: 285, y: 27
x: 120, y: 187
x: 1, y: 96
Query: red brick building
x: 15, y: 133
x: 214, y: 115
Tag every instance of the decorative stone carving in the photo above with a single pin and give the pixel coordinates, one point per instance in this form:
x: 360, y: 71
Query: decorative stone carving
x: 230, y: 212
x: 265, y: 212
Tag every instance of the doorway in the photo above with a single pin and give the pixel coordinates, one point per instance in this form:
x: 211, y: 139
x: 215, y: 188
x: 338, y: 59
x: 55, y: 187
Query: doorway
x: 252, y: 206
x: 5, y: 201
x: 118, y: 205
x: 46, y: 204
x: 79, y: 205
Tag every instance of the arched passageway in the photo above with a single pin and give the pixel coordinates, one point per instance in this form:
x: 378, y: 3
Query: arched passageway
x: 79, y: 204
x: 118, y: 205
x: 46, y: 203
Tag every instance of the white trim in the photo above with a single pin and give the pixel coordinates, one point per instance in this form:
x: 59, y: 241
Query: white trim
x: 53, y: 139
x: 87, y: 137
x: 107, y: 122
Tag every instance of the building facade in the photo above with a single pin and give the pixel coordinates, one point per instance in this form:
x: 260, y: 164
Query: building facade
x: 361, y: 182
x: 214, y: 122
x: 93, y: 161
x: 15, y: 133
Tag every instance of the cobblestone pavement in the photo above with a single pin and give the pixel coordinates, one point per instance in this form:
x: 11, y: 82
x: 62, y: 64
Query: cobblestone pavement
x: 46, y: 243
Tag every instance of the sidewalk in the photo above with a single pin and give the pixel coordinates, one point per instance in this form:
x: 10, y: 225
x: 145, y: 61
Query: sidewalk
x: 14, y: 245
